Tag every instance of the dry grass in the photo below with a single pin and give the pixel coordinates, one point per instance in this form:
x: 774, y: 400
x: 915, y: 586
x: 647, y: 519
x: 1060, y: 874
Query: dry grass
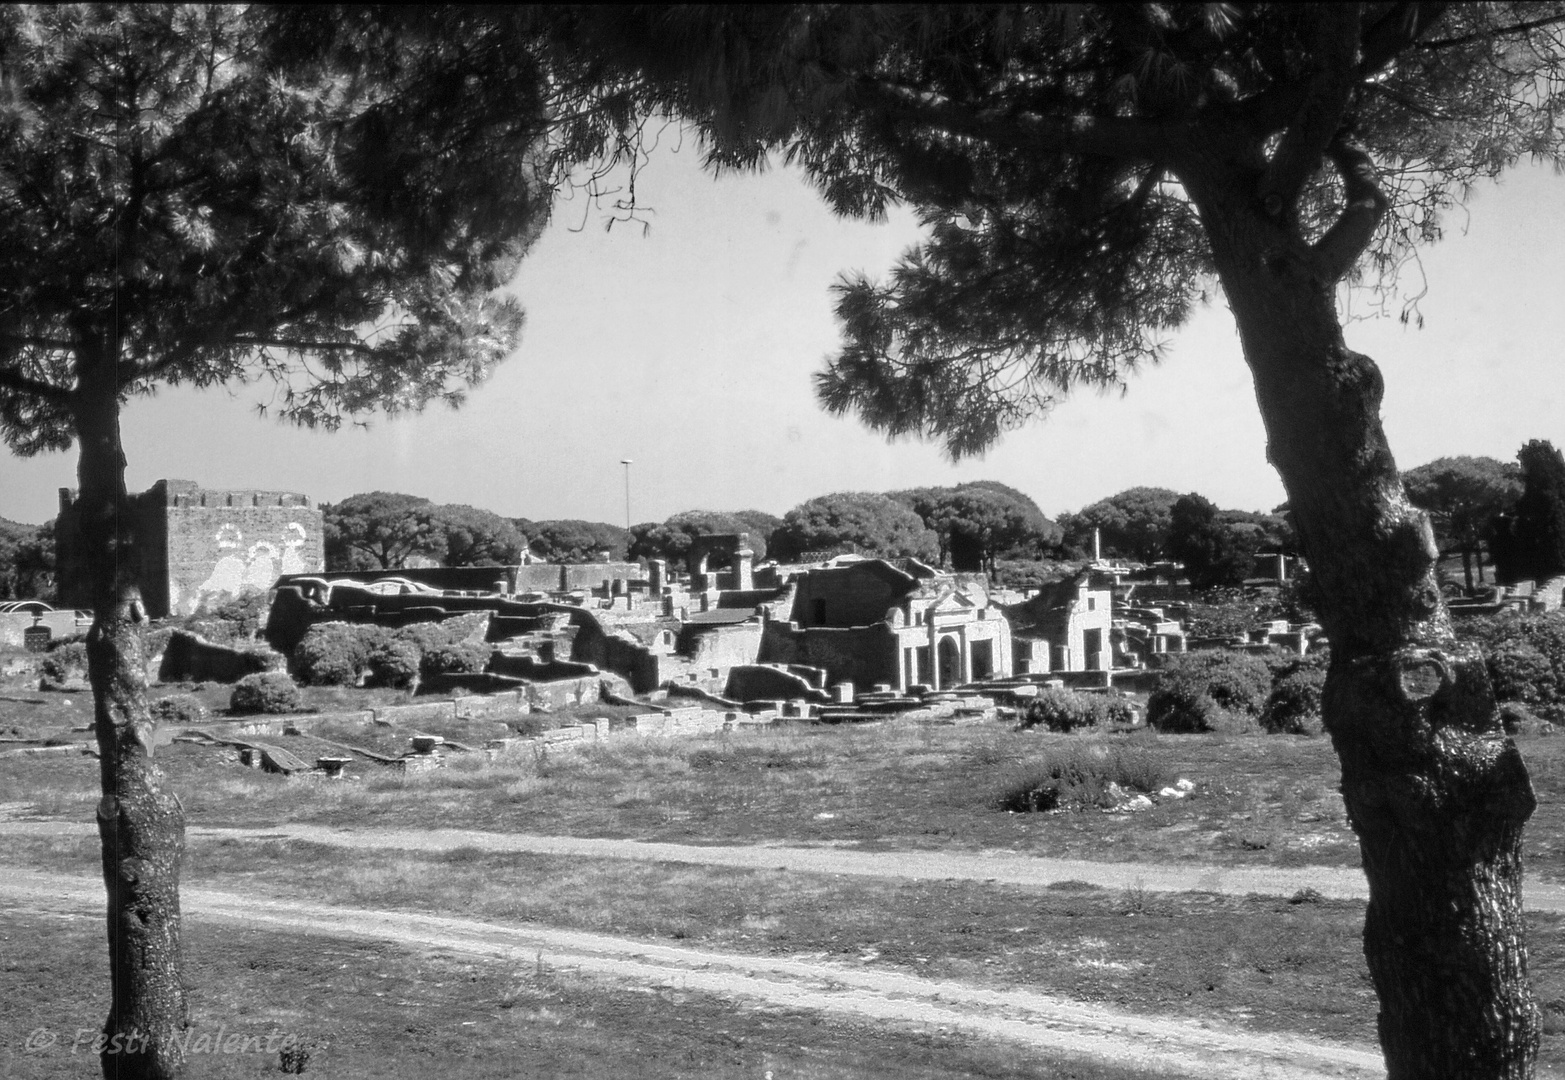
x: 1258, y: 800
x: 373, y: 1011
x: 1261, y: 962
x: 883, y: 787
x: 1082, y: 776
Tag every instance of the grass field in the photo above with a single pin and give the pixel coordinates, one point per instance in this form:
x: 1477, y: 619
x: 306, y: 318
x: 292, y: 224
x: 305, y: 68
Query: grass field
x: 1262, y: 963
x: 371, y: 1011
x: 1258, y: 800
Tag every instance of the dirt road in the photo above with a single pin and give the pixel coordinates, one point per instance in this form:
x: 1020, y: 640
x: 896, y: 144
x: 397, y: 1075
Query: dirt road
x: 1049, y: 1023
x: 1006, y: 867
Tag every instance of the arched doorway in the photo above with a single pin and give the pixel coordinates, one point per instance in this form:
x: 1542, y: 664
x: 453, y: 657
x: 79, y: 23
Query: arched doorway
x: 950, y: 663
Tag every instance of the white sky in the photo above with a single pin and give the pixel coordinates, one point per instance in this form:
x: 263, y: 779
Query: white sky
x: 690, y: 350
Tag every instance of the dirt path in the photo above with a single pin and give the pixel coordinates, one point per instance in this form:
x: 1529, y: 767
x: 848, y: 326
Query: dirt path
x: 1006, y: 867
x: 1054, y: 1024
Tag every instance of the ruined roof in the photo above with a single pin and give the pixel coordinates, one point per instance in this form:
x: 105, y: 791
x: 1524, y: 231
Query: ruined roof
x: 646, y: 631
x: 721, y: 616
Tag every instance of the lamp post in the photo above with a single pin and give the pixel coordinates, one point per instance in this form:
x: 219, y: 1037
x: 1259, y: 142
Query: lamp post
x: 627, y: 462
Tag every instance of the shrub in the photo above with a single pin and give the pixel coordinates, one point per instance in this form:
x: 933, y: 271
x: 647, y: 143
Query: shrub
x: 1224, y: 613
x: 230, y: 621
x: 1066, y: 710
x: 179, y: 709
x: 154, y: 640
x: 266, y: 692
x: 1078, y: 778
x: 1293, y: 707
x: 425, y: 636
x: 1521, y: 673
x: 1517, y: 719
x: 1211, y: 690
x: 1526, y: 659
x: 65, y: 665
x: 395, y: 662
x: 456, y: 658
x: 335, y: 654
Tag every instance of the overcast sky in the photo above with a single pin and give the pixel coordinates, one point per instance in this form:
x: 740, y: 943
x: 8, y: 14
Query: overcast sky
x: 689, y: 350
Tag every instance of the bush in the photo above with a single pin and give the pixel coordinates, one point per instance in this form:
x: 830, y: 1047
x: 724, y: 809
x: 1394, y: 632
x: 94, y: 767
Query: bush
x: 1078, y: 778
x: 1521, y: 673
x: 1293, y: 707
x: 266, y: 692
x: 395, y: 662
x: 179, y: 709
x: 1066, y: 710
x: 425, y: 636
x: 1212, y: 690
x: 1526, y: 659
x: 335, y: 654
x: 1224, y: 613
x: 231, y: 621
x: 65, y: 665
x: 1517, y: 719
x: 456, y: 658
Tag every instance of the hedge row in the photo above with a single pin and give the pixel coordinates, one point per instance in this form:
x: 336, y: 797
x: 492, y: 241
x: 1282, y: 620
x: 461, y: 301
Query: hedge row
x: 1526, y: 658
x: 347, y: 654
x: 1067, y: 710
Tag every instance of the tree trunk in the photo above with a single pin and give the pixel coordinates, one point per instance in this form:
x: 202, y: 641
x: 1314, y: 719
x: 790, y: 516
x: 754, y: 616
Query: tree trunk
x: 142, y: 825
x: 1467, y: 568
x: 1435, y: 791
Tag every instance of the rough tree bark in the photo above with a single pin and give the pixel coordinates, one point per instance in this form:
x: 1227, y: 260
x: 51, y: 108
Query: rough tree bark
x: 1435, y: 791
x: 141, y: 823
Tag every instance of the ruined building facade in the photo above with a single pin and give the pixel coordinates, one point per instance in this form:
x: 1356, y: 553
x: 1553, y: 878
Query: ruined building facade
x: 200, y: 547
x: 873, y: 622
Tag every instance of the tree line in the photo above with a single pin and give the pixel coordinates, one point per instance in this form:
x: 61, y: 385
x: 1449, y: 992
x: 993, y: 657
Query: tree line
x: 1511, y: 514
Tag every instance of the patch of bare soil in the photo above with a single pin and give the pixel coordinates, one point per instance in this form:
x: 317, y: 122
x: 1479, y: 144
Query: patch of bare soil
x: 1005, y: 867
x: 1048, y: 1023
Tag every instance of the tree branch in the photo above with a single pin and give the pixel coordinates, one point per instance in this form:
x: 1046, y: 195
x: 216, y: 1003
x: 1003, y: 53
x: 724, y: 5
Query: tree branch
x: 37, y: 342
x: 1364, y: 205
x: 303, y: 346
x: 1104, y: 136
x: 1312, y: 128
x: 1395, y: 32
x: 12, y: 380
x: 1477, y: 35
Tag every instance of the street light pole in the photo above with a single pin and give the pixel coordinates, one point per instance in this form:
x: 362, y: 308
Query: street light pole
x: 627, y: 463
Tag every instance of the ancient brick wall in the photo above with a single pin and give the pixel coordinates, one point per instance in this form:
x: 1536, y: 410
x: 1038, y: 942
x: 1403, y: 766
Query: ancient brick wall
x: 863, y: 655
x: 569, y: 577
x: 855, y: 595
x: 224, y: 543
x: 198, y: 546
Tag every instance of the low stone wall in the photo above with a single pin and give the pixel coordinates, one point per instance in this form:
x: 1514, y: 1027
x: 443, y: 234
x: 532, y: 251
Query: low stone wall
x: 753, y: 682
x: 530, y: 667
x: 192, y: 658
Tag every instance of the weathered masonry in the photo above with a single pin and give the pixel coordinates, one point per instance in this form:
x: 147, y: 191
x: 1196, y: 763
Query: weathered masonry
x: 869, y: 621
x: 199, y: 546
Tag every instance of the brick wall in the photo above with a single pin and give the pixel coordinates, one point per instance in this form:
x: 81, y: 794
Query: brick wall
x: 855, y: 595
x: 200, y: 546
x: 863, y: 655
